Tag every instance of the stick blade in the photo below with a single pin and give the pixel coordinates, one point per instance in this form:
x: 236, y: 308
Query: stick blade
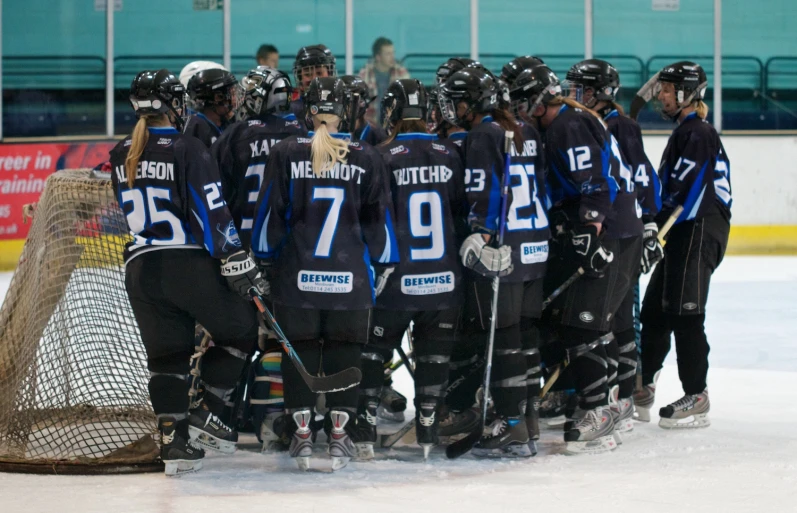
x: 342, y: 380
x: 463, y: 446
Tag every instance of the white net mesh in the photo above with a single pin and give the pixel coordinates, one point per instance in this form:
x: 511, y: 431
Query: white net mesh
x: 73, y: 376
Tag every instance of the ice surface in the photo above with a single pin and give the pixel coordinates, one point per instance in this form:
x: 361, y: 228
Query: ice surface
x: 746, y: 461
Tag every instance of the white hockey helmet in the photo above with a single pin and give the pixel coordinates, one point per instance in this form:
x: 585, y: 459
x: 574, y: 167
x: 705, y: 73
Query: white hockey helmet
x: 192, y: 68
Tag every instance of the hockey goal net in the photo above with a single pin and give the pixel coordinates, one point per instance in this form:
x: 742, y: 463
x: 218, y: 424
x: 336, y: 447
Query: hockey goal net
x: 73, y: 375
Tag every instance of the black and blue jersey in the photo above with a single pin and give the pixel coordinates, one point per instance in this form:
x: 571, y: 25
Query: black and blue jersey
x: 176, y: 201
x: 527, y: 231
x: 242, y: 153
x: 199, y: 126
x: 427, y: 184
x: 372, y: 134
x: 325, y: 232
x: 695, y: 172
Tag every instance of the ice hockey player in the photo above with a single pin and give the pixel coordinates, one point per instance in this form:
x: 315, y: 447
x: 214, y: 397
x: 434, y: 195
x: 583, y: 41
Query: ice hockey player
x: 324, y: 199
x: 577, y: 153
x: 599, y: 82
x: 470, y: 99
x: 426, y: 289
x: 695, y: 173
x: 513, y: 68
x: 311, y: 62
x: 183, y: 235
x: 214, y: 96
x: 359, y: 99
x: 192, y: 68
x: 438, y: 124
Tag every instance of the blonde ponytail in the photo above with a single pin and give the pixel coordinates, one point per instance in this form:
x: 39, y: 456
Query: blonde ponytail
x: 325, y: 150
x: 618, y: 108
x: 701, y: 109
x: 140, y: 138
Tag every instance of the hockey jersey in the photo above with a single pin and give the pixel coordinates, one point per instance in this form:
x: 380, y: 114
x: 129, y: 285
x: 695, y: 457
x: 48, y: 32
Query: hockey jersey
x: 176, y: 200
x: 527, y: 230
x: 431, y: 212
x: 242, y: 153
x: 646, y: 180
x: 578, y: 153
x: 695, y: 172
x: 202, y: 128
x: 372, y: 134
x: 324, y: 232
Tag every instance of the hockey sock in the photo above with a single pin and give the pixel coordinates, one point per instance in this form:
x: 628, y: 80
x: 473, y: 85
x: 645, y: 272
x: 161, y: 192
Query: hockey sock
x: 373, y: 377
x: 508, y: 376
x: 338, y: 356
x: 297, y: 395
x: 627, y: 360
x: 612, y: 361
x: 654, y: 345
x: 530, y: 338
x: 222, y: 366
x: 588, y: 364
x: 432, y: 358
x: 168, y: 393
x: 692, y: 350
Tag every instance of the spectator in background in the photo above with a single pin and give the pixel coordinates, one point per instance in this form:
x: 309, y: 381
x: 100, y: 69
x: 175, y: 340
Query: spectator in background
x: 380, y: 72
x: 268, y: 55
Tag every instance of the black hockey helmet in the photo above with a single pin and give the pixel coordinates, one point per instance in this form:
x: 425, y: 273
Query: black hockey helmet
x: 513, y: 68
x: 214, y: 87
x: 690, y: 83
x: 266, y: 91
x: 359, y: 97
x: 476, y: 87
x: 532, y: 87
x: 450, y: 67
x: 597, y: 76
x: 325, y: 95
x: 158, y: 92
x: 404, y: 99
x: 310, y: 57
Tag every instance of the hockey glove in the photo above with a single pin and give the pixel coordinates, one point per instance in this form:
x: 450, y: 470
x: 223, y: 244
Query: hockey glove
x: 593, y: 257
x: 382, y: 273
x: 243, y: 275
x: 486, y: 260
x: 652, y: 252
x: 266, y: 268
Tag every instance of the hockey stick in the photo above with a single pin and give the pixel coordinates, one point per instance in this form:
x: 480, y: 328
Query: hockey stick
x: 342, y: 380
x: 662, y: 233
x: 643, y: 96
x: 463, y: 446
x: 195, y: 371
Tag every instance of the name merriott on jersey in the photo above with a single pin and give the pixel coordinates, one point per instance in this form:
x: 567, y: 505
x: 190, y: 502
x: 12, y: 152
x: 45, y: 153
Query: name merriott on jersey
x: 283, y: 247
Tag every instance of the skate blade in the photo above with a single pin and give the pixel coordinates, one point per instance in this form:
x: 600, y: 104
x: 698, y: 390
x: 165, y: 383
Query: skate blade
x: 338, y: 462
x: 641, y: 414
x: 617, y: 438
x: 533, y: 447
x: 303, y: 462
x: 364, y: 451
x: 599, y: 445
x: 692, y: 422
x: 207, y: 441
x: 553, y: 422
x: 427, y: 448
x: 516, y: 450
x: 174, y: 468
x: 391, y: 416
x: 624, y: 426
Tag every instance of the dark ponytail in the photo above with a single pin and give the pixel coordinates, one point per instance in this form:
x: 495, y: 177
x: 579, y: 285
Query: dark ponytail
x: 507, y: 121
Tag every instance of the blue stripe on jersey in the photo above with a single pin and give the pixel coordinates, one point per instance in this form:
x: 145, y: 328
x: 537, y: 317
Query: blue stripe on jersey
x: 565, y: 189
x: 487, y: 119
x: 289, y: 117
x: 390, y: 254
x: 409, y: 136
x: 260, y: 228
x: 365, y: 131
x: 162, y: 130
x: 656, y: 189
x: 204, y: 221
x: 612, y: 114
x: 369, y: 270
x: 491, y: 221
x: 336, y: 135
x: 458, y: 135
x: 211, y: 123
x: 695, y: 197
x: 606, y: 154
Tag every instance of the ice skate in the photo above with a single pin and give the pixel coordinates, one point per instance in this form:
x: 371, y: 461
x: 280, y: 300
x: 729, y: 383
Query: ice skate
x: 207, y: 430
x: 426, y: 426
x: 623, y: 412
x: 508, y: 437
x: 392, y: 405
x: 363, y: 432
x: 452, y: 424
x: 593, y: 434
x: 533, y: 424
x: 688, y: 412
x: 273, y: 433
x: 552, y: 409
x: 302, y: 441
x: 643, y: 400
x: 341, y: 448
x: 178, y: 456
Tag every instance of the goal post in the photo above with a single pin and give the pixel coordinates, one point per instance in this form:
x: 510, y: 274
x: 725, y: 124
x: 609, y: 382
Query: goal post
x: 73, y: 374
